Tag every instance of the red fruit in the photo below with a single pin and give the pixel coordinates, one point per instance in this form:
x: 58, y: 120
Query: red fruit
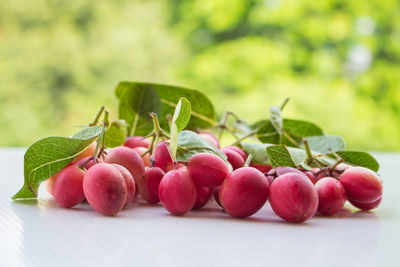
x: 163, y: 157
x: 146, y: 158
x: 50, y: 182
x: 148, y: 185
x: 203, y: 195
x: 331, y: 195
x: 244, y: 192
x: 366, y: 206
x: 88, y: 152
x: 239, y: 151
x: 68, y: 189
x: 233, y: 158
x: 127, y: 158
x: 293, y: 197
x: 88, y: 164
x: 137, y: 141
x: 105, y: 188
x: 129, y: 182
x: 270, y: 179
x: 362, y: 185
x: 177, y: 192
x: 216, y: 195
x: 210, y: 137
x: 311, y: 176
x: 207, y: 170
x: 264, y: 168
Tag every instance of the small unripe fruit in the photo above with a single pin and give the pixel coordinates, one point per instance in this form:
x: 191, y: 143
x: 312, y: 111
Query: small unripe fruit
x: 361, y: 184
x: 264, y: 168
x: 366, y: 206
x: 293, y: 197
x: 203, y: 195
x: 233, y: 158
x: 177, y: 192
x: 244, y: 192
x: 68, y: 188
x: 239, y: 151
x: 145, y: 158
x: 129, y: 182
x: 163, y: 157
x: 137, y: 141
x: 331, y: 195
x: 148, y: 185
x: 207, y: 170
x: 210, y: 137
x: 105, y: 188
x: 127, y: 158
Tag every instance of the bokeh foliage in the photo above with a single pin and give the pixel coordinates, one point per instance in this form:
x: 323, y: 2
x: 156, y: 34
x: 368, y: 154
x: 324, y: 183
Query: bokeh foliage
x: 337, y: 60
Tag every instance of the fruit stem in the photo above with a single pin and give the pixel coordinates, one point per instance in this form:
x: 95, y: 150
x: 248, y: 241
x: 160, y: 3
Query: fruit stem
x: 96, y: 119
x: 248, y: 160
x: 243, y: 138
x: 310, y: 158
x: 284, y: 103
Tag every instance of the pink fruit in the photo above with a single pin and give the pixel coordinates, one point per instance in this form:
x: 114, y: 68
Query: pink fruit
x: 137, y: 141
x: 163, y: 157
x: 203, y: 195
x: 146, y: 158
x: 177, y: 192
x: 88, y: 152
x: 68, y: 189
x: 149, y: 184
x: 244, y: 192
x: 207, y: 170
x: 366, y: 206
x: 311, y: 176
x: 293, y: 197
x: 233, y: 158
x: 264, y: 168
x: 331, y: 195
x: 239, y: 151
x: 129, y: 182
x: 89, y: 163
x: 362, y: 185
x: 105, y: 188
x: 216, y: 195
x: 210, y: 137
x: 127, y: 158
x: 270, y: 179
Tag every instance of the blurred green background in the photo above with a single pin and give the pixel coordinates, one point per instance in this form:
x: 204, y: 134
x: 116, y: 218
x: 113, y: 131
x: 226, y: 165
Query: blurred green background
x: 338, y: 61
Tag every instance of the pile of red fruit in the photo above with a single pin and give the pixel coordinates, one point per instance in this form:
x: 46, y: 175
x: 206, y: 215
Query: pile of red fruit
x: 295, y: 195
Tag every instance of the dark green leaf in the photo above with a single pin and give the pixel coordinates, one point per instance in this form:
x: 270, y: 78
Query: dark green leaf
x: 358, y: 158
x: 116, y: 134
x: 49, y: 155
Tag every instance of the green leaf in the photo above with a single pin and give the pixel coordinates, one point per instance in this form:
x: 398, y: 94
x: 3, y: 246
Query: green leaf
x: 279, y: 156
x: 295, y: 130
x: 179, y: 121
x: 49, y: 155
x: 276, y: 119
x: 190, y: 143
x: 259, y: 152
x: 323, y: 144
x: 116, y: 134
x: 202, y: 110
x: 358, y: 158
x: 136, y: 101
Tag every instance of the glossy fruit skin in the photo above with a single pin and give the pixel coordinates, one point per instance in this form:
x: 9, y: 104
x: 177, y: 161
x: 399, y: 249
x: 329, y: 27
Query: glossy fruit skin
x: 88, y: 152
x: 244, y: 192
x: 210, y: 137
x: 283, y: 170
x: 362, y: 185
x: 233, y: 158
x: 366, y: 206
x: 136, y: 141
x: 270, y: 179
x: 216, y: 195
x: 293, y: 197
x: 177, y: 192
x: 105, y: 189
x: 146, y: 158
x: 203, y: 195
x: 127, y: 158
x: 239, y: 151
x: 68, y: 187
x: 207, y: 170
x: 149, y: 184
x: 331, y: 195
x: 264, y: 168
x: 129, y: 182
x: 311, y: 176
x: 89, y: 164
x: 163, y: 157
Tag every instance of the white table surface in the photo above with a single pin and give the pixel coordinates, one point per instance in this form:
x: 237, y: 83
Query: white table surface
x: 43, y: 234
